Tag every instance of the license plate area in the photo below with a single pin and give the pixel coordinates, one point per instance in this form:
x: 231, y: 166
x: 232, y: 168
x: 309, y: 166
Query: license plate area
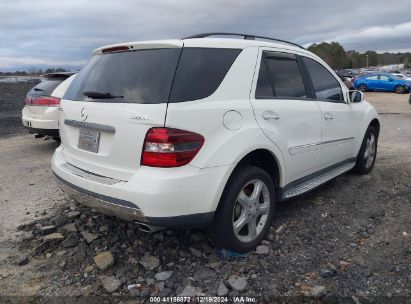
x: 89, y: 140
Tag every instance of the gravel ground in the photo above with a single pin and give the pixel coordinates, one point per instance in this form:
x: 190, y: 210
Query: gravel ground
x: 349, y: 241
x: 12, y: 96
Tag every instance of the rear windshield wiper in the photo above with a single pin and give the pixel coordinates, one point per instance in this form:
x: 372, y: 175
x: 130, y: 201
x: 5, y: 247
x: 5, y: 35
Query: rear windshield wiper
x: 99, y: 95
x: 37, y: 89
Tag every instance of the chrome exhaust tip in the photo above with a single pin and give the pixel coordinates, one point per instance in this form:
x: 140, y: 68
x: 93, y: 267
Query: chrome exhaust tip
x: 148, y: 228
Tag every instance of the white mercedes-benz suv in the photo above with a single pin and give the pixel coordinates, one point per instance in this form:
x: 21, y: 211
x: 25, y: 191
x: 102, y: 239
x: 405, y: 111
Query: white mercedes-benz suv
x: 208, y: 132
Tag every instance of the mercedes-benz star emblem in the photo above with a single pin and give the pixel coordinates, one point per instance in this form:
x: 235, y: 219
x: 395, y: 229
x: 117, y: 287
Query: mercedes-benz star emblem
x: 83, y: 114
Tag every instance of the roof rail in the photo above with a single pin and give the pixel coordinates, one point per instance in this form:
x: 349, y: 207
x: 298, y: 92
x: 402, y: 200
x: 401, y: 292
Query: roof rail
x: 246, y: 37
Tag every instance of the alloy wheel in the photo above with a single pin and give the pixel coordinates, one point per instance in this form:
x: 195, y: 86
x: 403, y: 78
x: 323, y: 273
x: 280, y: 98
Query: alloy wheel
x: 251, y: 210
x: 399, y: 89
x: 369, y: 153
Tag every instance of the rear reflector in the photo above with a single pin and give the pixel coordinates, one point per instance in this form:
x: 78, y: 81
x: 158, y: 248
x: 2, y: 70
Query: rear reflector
x: 166, y: 147
x: 45, y: 101
x: 115, y: 49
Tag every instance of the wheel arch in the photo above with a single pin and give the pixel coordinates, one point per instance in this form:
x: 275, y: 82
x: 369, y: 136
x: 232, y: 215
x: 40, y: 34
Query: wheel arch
x: 262, y: 158
x: 371, y: 119
x: 376, y: 124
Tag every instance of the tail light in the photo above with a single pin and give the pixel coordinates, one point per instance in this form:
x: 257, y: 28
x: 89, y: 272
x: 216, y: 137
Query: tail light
x: 166, y: 147
x: 45, y: 101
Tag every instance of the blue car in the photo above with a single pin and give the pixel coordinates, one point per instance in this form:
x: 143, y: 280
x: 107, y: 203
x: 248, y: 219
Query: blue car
x: 382, y: 82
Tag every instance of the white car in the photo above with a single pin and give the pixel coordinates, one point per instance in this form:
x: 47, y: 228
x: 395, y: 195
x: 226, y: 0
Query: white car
x: 208, y: 132
x: 40, y: 114
x: 401, y: 76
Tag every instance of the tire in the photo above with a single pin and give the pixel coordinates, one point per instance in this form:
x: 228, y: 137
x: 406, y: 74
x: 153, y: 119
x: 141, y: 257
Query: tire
x: 399, y: 89
x: 238, y: 207
x: 362, y: 87
x: 368, y: 152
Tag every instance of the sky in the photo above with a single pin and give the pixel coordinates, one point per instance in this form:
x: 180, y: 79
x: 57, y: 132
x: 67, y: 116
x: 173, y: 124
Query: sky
x: 63, y: 33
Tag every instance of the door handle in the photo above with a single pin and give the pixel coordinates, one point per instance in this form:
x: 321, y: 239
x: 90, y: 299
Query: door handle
x: 268, y: 115
x: 328, y: 116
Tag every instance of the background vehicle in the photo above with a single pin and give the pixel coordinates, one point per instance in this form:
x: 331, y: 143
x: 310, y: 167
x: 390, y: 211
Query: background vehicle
x: 381, y: 82
x: 208, y: 132
x: 347, y: 82
x: 401, y: 76
x: 362, y: 74
x: 40, y: 115
x: 347, y: 74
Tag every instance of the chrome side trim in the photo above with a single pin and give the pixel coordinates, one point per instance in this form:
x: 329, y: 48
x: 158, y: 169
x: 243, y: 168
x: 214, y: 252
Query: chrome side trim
x: 318, y: 180
x: 89, y: 176
x: 315, y: 146
x: 335, y: 142
x: 104, y: 204
x: 304, y: 148
x: 89, y: 125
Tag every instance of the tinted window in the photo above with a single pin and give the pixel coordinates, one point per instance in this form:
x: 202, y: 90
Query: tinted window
x: 279, y: 76
x: 264, y: 88
x: 142, y: 76
x: 46, y: 87
x: 200, y: 71
x: 375, y: 77
x: 326, y: 87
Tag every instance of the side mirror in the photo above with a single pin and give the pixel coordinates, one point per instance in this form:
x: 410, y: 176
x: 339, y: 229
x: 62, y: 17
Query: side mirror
x: 356, y: 96
x: 390, y: 79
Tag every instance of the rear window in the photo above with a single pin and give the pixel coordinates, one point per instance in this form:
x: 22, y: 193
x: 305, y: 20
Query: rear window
x: 46, y: 87
x: 200, y: 72
x: 141, y: 76
x: 146, y: 76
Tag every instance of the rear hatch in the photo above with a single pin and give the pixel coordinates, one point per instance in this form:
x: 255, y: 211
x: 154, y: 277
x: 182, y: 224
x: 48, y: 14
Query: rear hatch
x: 37, y: 99
x: 112, y: 102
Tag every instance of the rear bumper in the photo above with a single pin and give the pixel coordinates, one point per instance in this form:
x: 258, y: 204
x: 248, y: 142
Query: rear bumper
x: 104, y: 204
x: 46, y: 122
x: 173, y: 197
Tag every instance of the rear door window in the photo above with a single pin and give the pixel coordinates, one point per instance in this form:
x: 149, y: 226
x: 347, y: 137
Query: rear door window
x: 384, y: 77
x: 45, y: 87
x: 280, y: 76
x: 375, y: 77
x: 325, y: 85
x: 141, y: 76
x: 200, y: 72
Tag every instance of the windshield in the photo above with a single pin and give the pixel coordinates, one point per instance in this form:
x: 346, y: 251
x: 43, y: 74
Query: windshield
x: 142, y: 76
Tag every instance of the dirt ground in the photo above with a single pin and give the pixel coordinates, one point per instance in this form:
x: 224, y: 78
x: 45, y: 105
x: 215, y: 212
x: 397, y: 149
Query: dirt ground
x: 349, y: 241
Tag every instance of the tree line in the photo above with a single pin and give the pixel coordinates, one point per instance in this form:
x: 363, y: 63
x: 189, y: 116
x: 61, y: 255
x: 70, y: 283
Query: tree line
x: 33, y: 71
x: 334, y: 54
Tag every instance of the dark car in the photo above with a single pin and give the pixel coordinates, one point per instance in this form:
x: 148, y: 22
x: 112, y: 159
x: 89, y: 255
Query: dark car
x: 347, y: 82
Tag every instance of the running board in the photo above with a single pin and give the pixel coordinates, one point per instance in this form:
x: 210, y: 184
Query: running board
x: 318, y: 180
